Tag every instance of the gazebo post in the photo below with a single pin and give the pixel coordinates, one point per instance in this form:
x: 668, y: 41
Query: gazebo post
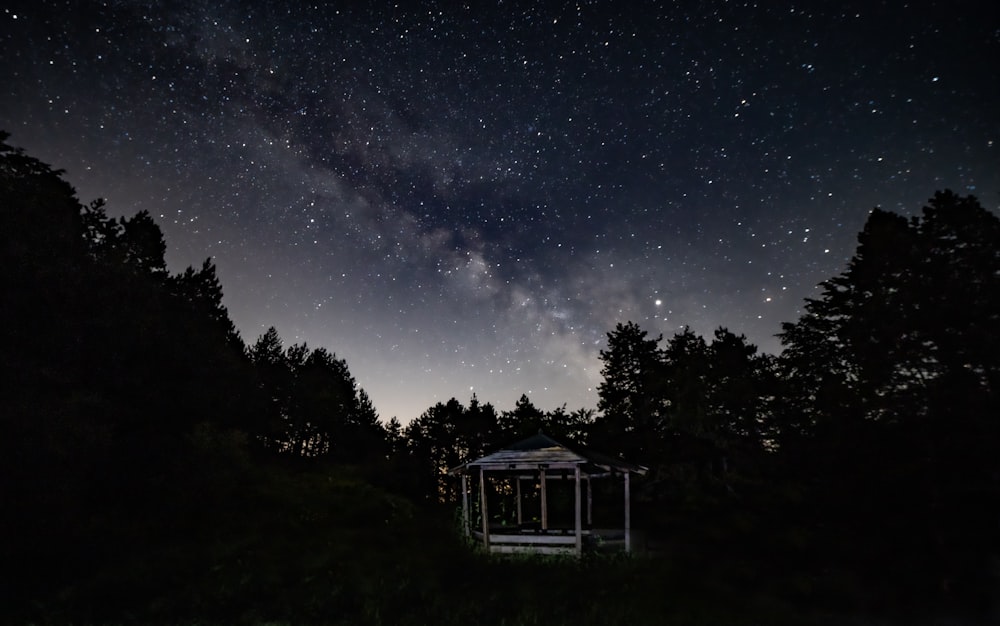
x: 465, y: 504
x: 578, y: 521
x: 518, y: 490
x: 545, y: 504
x: 628, y: 517
x: 483, y: 508
x: 590, y: 503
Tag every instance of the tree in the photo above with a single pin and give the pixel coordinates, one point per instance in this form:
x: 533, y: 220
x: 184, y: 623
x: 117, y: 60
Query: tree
x: 445, y: 436
x: 202, y: 291
x: 108, y: 374
x: 570, y: 426
x: 914, y: 308
x: 892, y: 377
x: 40, y: 217
x: 525, y: 420
x: 685, y: 385
x: 274, y: 377
x: 314, y: 405
x: 743, y: 385
x: 432, y: 443
x: 630, y: 399
x: 142, y: 244
x: 395, y: 438
x: 477, y: 431
x: 322, y: 400
x: 717, y: 402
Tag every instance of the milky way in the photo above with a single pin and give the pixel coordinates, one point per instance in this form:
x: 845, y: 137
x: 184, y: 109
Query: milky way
x: 464, y: 200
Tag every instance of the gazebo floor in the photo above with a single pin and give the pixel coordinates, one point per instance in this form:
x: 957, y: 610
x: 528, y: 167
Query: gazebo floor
x: 509, y: 539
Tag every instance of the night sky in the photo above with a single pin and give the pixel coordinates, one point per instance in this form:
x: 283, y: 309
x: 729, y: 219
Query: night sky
x: 461, y: 199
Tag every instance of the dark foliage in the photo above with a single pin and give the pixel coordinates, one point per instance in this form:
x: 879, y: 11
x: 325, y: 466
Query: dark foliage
x: 113, y: 371
x: 891, y: 413
x: 157, y: 470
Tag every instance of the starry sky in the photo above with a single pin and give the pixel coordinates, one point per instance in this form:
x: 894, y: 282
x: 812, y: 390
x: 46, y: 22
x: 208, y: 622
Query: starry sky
x: 464, y: 199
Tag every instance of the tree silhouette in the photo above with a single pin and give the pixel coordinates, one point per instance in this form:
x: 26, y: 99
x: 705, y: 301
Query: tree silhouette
x: 477, y: 432
x: 202, y: 291
x: 630, y: 397
x: 685, y: 385
x: 892, y: 380
x: 525, y: 420
x: 572, y: 426
x: 273, y: 379
x: 911, y: 313
x: 110, y: 367
x: 314, y: 405
x: 434, y: 446
x: 743, y: 387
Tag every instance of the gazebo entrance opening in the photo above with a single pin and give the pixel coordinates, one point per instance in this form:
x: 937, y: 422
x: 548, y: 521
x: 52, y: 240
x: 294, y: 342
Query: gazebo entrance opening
x: 537, y: 496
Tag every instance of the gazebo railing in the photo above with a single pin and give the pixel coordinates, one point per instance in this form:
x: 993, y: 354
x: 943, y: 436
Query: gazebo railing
x: 533, y: 543
x: 510, y: 540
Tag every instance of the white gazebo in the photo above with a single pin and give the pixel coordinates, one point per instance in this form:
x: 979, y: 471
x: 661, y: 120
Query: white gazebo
x: 530, y: 465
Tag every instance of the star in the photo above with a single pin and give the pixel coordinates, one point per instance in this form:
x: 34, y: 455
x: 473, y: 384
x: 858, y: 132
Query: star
x: 422, y: 191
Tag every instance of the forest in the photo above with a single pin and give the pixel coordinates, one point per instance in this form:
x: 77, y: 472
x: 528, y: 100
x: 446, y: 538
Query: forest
x: 158, y: 468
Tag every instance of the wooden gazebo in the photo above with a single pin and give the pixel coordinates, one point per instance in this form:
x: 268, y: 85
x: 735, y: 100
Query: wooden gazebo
x: 531, y: 464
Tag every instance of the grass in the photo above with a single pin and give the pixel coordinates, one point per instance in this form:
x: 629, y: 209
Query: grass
x: 326, y: 547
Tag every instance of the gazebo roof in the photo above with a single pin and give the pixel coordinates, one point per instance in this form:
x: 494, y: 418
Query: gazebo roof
x: 543, y: 452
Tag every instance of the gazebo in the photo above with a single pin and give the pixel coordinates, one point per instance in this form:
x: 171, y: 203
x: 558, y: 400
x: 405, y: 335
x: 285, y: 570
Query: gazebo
x: 532, y: 464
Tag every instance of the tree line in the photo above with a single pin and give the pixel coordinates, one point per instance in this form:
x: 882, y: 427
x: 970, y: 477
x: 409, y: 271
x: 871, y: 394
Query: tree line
x: 869, y: 442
